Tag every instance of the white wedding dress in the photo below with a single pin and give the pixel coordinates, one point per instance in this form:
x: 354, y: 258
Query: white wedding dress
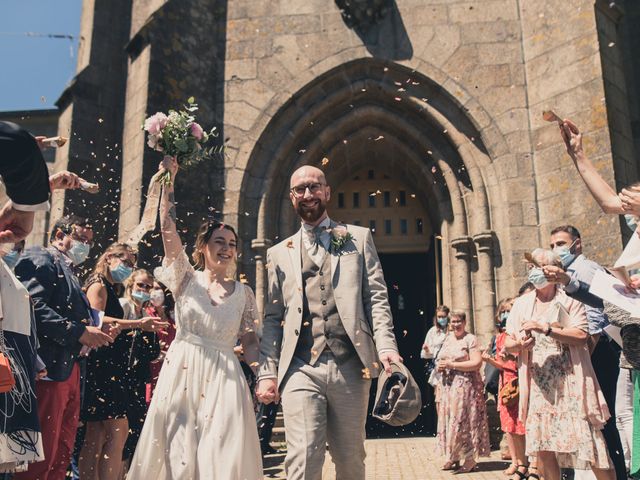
x: 201, y: 423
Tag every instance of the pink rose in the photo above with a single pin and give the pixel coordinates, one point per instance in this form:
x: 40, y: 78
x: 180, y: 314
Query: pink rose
x: 155, y: 123
x: 196, y: 131
x: 339, y: 232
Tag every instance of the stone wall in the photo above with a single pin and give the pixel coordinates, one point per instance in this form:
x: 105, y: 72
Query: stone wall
x: 92, y: 109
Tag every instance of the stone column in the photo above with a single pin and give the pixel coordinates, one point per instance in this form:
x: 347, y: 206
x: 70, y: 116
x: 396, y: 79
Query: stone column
x: 460, y: 276
x: 260, y: 246
x: 484, y: 301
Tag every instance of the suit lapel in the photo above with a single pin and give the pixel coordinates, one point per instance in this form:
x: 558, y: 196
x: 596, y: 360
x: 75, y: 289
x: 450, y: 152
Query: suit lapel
x: 294, y: 244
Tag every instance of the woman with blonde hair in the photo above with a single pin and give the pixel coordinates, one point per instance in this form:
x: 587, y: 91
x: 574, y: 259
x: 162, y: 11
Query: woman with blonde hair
x: 106, y: 397
x: 201, y: 422
x: 560, y: 401
x: 463, y: 432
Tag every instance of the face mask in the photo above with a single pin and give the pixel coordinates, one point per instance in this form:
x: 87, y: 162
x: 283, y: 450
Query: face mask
x: 157, y: 298
x: 11, y: 259
x: 537, y: 278
x: 503, y: 319
x: 442, y: 321
x: 566, y: 257
x: 78, y: 252
x: 120, y: 273
x: 632, y: 221
x: 141, y: 296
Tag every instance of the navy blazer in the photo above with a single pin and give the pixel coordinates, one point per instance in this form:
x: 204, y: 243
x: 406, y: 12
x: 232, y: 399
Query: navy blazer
x: 61, y: 308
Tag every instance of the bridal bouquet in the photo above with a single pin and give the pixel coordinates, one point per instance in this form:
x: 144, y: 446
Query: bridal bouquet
x: 178, y: 135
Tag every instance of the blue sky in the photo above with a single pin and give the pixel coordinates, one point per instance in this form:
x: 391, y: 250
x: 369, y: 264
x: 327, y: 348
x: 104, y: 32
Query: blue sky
x: 35, y: 70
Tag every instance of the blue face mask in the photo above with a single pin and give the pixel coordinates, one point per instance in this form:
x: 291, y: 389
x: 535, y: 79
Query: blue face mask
x: 566, y: 257
x: 536, y: 276
x: 78, y: 252
x: 11, y: 259
x: 632, y: 221
x: 121, y: 273
x: 442, y: 321
x: 141, y: 296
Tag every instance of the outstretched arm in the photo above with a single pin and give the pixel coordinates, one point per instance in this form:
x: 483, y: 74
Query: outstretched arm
x: 170, y: 238
x: 600, y: 190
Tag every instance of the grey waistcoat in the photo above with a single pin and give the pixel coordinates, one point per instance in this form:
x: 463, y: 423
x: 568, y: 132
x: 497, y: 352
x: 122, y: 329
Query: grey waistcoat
x: 321, y: 324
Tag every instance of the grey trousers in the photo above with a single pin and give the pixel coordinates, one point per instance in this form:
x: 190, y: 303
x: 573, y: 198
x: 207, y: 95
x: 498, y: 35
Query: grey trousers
x: 325, y: 403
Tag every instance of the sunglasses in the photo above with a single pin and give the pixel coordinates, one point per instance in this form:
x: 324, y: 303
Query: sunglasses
x: 144, y: 286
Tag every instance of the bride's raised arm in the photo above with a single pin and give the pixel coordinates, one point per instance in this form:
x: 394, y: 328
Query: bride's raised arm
x: 170, y: 237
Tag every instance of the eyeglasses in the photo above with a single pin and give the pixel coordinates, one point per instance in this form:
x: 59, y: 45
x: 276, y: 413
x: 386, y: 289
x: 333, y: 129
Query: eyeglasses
x: 125, y: 258
x: 144, y: 286
x: 300, y: 190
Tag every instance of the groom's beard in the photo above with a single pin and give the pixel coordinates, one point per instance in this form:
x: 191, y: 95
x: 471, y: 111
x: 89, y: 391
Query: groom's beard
x: 312, y: 215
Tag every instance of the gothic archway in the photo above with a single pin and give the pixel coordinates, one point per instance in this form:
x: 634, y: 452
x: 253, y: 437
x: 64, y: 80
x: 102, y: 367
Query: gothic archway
x: 372, y: 102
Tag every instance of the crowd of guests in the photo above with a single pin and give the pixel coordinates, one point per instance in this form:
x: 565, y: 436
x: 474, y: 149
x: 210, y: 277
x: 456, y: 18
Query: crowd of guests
x: 82, y: 345
x: 95, y: 346
x: 565, y: 391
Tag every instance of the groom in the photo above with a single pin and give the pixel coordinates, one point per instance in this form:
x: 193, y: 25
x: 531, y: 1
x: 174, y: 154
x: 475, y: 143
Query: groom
x: 327, y: 325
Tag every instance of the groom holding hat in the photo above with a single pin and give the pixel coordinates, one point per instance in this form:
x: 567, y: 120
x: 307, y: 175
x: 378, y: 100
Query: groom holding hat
x: 327, y: 331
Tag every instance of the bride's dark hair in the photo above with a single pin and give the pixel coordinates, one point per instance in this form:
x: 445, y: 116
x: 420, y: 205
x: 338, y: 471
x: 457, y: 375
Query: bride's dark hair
x: 202, y: 238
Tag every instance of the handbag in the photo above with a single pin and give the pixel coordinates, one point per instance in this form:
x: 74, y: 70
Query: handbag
x: 7, y: 380
x: 510, y: 392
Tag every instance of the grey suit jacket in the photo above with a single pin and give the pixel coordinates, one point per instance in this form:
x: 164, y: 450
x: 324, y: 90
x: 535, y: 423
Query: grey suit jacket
x: 360, y: 293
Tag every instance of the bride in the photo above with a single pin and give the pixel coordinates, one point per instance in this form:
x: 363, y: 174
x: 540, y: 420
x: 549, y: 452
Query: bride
x: 201, y: 423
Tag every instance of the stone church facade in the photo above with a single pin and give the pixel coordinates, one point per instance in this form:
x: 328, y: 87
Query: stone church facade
x: 434, y: 106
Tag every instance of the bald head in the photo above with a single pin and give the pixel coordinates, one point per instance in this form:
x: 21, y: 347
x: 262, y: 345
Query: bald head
x: 307, y: 173
x: 309, y: 194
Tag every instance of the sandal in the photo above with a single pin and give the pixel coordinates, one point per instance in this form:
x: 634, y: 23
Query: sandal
x: 467, y: 466
x: 450, y: 465
x: 511, y: 470
x: 520, y: 475
x: 533, y: 475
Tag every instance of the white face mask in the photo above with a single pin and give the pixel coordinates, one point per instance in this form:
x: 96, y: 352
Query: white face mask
x: 157, y: 298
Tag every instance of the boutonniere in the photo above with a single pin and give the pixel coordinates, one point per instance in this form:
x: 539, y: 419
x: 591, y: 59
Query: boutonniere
x: 339, y: 237
x: 290, y: 244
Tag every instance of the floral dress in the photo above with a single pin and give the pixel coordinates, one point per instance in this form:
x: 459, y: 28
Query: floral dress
x: 554, y: 421
x: 463, y: 431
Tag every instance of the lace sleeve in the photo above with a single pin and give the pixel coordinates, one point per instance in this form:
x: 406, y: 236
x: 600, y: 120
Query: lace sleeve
x: 250, y: 318
x: 175, y: 275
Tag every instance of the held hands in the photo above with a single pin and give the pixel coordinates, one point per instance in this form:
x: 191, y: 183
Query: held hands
x: 572, y: 138
x: 387, y: 358
x: 267, y: 391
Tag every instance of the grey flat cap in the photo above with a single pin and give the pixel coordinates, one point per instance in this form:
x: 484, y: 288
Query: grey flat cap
x: 398, y: 400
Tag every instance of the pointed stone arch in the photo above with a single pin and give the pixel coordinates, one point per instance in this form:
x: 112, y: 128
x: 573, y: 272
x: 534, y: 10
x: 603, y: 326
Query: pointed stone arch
x: 441, y: 154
